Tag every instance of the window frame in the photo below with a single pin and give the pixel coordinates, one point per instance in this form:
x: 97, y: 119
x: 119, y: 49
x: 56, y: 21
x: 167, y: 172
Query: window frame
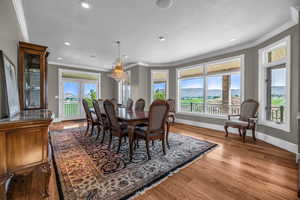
x: 205, y: 65
x: 264, y: 65
x: 167, y: 81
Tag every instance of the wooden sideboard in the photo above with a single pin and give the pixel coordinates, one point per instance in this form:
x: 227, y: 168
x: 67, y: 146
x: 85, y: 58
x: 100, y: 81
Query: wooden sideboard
x: 24, y: 149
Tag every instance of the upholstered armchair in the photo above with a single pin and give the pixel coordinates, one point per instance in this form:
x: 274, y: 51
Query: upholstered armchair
x: 139, y: 105
x: 129, y: 104
x: 245, y: 121
x: 90, y: 118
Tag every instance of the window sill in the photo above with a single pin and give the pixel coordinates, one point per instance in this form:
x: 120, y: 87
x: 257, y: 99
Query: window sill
x: 283, y: 127
x: 202, y: 115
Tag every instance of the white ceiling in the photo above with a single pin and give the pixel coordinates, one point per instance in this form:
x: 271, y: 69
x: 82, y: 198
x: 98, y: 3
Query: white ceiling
x: 191, y: 28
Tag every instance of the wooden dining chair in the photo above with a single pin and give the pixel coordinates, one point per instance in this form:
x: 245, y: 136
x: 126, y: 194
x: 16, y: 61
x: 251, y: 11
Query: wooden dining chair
x: 139, y: 105
x: 246, y: 120
x: 129, y: 104
x: 102, y: 119
x: 115, y: 128
x: 155, y: 130
x: 91, y: 121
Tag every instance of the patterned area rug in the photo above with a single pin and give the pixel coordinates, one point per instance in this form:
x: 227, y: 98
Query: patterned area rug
x: 88, y: 170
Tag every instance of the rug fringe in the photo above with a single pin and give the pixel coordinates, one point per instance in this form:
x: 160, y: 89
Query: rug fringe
x: 144, y: 190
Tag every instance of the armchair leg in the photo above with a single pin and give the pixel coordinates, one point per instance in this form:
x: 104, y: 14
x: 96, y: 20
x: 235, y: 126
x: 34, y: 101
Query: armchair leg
x: 163, y: 145
x: 244, y: 134
x: 167, y: 135
x: 226, y: 131
x: 119, y: 145
x: 240, y: 133
x: 99, y: 131
x: 103, y: 135
x: 87, y: 129
x: 110, y: 139
x: 92, y: 130
x: 147, y: 147
x: 253, y: 133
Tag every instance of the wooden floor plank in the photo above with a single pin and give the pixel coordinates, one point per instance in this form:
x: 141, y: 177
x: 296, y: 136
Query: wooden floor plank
x: 234, y: 170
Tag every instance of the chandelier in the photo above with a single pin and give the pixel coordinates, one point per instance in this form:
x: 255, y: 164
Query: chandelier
x: 118, y: 72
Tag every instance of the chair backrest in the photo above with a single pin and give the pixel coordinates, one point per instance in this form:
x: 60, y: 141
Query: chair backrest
x: 129, y: 104
x: 100, y: 103
x: 87, y: 109
x: 171, y: 103
x: 248, y: 109
x: 111, y: 115
x: 98, y: 111
x: 114, y: 102
x: 139, y: 105
x: 158, y: 114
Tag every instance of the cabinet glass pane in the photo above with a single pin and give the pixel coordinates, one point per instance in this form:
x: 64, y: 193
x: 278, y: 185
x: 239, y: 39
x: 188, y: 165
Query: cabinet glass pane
x: 32, y: 81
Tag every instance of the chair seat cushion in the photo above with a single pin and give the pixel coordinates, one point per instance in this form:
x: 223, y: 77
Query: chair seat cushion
x: 236, y: 123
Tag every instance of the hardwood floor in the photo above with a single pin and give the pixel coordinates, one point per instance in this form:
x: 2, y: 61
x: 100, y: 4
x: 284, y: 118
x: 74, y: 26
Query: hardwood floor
x: 234, y: 170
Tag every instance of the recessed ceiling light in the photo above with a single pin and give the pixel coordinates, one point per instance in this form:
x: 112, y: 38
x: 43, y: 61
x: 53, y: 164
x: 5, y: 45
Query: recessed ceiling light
x: 67, y: 43
x: 164, y: 3
x: 85, y: 5
x: 161, y: 38
x: 233, y: 39
x: 93, y: 56
x: 59, y: 58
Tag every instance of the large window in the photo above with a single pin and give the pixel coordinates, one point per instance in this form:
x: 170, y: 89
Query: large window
x: 124, y: 90
x: 159, y: 84
x: 212, y: 88
x: 274, y: 84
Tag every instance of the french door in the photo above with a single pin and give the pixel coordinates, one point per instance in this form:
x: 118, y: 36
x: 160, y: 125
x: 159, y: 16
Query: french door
x: 73, y: 92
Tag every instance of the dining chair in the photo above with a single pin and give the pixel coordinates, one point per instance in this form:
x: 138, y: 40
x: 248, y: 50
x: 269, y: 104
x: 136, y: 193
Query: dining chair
x: 155, y: 130
x: 139, y: 105
x: 171, y: 118
x: 115, y: 102
x: 91, y: 121
x: 102, y: 120
x: 246, y: 120
x: 115, y: 128
x: 129, y: 104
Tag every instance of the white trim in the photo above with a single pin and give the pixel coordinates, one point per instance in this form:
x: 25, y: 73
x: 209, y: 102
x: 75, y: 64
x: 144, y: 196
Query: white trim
x: 263, y: 66
x: 167, y: 81
x: 291, y: 147
x: 79, y: 66
x: 18, y: 6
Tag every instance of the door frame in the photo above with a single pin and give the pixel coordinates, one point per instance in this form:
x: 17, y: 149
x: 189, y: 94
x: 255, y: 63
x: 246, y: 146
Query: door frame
x: 60, y: 88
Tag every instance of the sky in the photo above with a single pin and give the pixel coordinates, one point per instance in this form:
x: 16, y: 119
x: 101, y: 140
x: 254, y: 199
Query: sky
x: 74, y: 88
x: 159, y: 86
x: 278, y: 77
x: 213, y: 82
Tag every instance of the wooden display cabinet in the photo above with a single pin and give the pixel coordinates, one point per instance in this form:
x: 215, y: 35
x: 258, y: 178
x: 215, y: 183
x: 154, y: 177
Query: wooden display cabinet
x: 32, y: 76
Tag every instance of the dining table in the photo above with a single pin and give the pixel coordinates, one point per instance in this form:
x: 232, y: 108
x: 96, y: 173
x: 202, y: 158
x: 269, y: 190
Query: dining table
x: 132, y: 118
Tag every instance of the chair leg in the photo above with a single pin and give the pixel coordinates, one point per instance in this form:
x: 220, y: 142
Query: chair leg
x: 103, y: 135
x: 167, y: 135
x: 119, y: 145
x: 253, y: 133
x: 226, y: 131
x: 99, y: 131
x: 152, y: 142
x: 240, y: 133
x: 110, y: 139
x: 244, y: 135
x: 163, y: 145
x: 147, y: 147
x: 92, y: 130
x: 87, y: 129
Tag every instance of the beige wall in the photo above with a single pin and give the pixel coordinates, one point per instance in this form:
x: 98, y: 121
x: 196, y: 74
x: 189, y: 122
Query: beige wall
x: 251, y: 83
x: 107, y: 86
x: 10, y: 33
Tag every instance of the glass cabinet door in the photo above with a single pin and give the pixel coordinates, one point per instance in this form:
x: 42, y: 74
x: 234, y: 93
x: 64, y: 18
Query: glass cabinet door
x: 32, y: 81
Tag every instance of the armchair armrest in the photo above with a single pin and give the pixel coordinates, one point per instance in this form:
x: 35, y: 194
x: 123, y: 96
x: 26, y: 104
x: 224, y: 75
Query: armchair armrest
x: 229, y: 116
x: 253, y: 120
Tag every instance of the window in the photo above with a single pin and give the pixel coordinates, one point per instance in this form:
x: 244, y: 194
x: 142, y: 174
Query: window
x: 159, y: 84
x: 274, y: 84
x: 124, y: 90
x: 212, y: 88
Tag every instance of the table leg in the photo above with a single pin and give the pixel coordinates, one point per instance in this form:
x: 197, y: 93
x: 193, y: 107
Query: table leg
x: 131, y: 128
x: 4, y: 185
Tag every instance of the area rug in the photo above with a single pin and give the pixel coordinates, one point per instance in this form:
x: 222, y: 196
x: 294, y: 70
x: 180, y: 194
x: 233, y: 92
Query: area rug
x: 86, y: 169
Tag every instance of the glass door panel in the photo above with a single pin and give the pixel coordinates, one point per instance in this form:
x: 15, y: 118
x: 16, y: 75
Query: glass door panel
x: 71, y: 99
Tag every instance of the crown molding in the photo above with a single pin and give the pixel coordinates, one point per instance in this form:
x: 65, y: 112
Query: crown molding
x: 78, y: 66
x: 18, y: 6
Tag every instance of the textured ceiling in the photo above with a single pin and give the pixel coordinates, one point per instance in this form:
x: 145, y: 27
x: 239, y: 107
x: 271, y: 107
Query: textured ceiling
x: 191, y: 27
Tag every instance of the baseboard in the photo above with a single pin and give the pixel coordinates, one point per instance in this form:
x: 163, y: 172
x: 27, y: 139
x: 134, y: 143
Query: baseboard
x: 261, y: 136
